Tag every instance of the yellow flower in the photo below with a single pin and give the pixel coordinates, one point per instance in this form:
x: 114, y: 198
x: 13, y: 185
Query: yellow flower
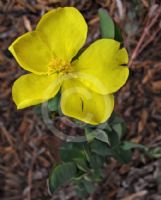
x: 86, y: 83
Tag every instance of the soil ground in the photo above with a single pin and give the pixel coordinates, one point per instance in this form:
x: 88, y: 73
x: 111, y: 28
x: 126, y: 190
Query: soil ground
x: 27, y: 148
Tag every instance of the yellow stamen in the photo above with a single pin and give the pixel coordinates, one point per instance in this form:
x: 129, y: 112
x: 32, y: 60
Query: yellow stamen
x: 58, y: 66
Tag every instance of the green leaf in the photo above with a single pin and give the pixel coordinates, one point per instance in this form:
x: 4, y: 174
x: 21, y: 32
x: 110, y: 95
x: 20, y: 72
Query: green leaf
x: 118, y: 35
x: 100, y: 148
x: 97, y: 174
x: 119, y: 129
x: 84, y: 187
x: 124, y: 156
x: 61, y: 174
x: 108, y: 128
x: 81, y: 164
x: 130, y: 145
x: 117, y: 124
x: 69, y: 151
x: 114, y: 139
x: 79, y: 176
x: 81, y: 190
x: 115, y: 119
x: 106, y: 24
x: 96, y: 161
x: 53, y: 104
x: 154, y: 153
x: 98, y: 133
x: 90, y: 135
x: 102, y: 136
x: 89, y: 186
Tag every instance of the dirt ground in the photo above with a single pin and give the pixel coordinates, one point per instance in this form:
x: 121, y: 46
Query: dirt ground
x: 27, y: 147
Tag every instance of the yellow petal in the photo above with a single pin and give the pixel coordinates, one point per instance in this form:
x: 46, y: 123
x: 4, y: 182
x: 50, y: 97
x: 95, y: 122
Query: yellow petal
x: 81, y: 103
x: 64, y: 30
x: 99, y: 67
x: 31, y: 89
x: 31, y: 53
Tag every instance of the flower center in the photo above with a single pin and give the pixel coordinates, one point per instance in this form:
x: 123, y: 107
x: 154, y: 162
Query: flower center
x: 58, y: 66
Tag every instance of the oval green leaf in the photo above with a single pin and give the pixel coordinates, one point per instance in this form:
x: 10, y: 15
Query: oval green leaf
x: 107, y: 25
x: 61, y: 174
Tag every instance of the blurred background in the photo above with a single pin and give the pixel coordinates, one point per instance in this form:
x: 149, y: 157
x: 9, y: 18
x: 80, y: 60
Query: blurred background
x: 28, y: 149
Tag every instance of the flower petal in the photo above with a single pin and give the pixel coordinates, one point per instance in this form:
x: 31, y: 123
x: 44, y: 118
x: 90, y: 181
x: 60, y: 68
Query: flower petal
x: 31, y: 89
x: 100, y: 66
x: 64, y: 30
x: 31, y: 53
x: 81, y: 103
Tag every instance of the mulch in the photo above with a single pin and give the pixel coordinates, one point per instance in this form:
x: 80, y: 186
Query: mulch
x: 28, y: 149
